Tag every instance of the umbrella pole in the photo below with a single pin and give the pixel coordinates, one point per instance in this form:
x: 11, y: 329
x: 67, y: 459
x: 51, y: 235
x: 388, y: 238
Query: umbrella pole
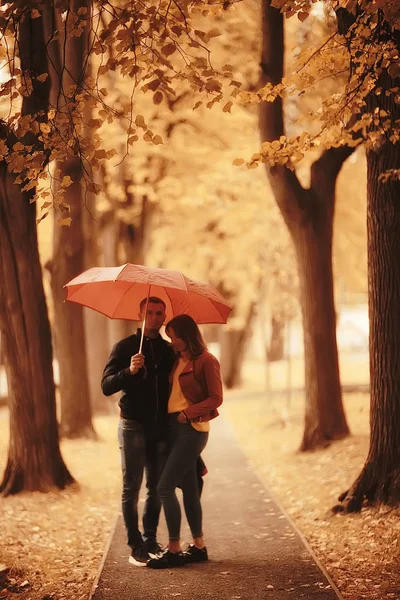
x: 144, y: 320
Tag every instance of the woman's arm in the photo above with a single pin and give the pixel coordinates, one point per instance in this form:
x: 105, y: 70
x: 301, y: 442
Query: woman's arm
x: 213, y: 381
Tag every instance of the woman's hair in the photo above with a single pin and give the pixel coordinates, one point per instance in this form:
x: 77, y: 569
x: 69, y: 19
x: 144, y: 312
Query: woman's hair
x: 187, y: 330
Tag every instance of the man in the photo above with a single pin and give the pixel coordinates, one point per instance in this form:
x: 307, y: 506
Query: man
x: 143, y: 380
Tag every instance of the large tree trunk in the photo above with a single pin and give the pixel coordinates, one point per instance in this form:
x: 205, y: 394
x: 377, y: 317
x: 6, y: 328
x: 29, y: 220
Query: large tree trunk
x: 308, y: 213
x: 68, y: 254
x: 379, y: 480
x: 34, y: 460
x: 324, y: 415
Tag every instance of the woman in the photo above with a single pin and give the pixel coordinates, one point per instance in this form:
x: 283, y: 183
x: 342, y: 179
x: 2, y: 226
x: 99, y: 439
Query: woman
x: 196, y: 392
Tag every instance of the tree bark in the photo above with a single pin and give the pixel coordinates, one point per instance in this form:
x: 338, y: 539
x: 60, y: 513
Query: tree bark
x: 117, y: 328
x: 34, y: 460
x: 95, y: 324
x: 68, y: 253
x: 308, y: 214
x: 379, y: 480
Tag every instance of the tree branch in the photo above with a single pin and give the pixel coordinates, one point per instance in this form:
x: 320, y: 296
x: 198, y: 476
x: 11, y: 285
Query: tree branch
x: 286, y: 186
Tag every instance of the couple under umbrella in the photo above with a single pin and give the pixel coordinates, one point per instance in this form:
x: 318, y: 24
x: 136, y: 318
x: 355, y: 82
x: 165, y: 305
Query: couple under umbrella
x: 169, y: 395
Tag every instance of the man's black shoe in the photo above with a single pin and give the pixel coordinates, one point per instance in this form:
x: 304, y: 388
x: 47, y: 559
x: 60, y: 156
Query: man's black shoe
x: 194, y: 554
x: 153, y: 548
x: 139, y: 557
x: 166, y: 560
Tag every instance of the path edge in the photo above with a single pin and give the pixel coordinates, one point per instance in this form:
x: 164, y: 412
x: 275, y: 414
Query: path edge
x: 100, y: 568
x: 296, y: 528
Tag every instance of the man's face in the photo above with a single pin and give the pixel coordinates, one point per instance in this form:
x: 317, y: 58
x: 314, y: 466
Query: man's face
x: 155, y: 317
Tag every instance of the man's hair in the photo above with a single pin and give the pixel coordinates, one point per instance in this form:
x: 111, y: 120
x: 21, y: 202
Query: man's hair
x: 153, y: 299
x: 186, y: 329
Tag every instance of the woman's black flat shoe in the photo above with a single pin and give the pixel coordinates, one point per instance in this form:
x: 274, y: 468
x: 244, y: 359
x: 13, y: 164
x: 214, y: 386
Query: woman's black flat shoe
x: 166, y: 560
x: 193, y: 554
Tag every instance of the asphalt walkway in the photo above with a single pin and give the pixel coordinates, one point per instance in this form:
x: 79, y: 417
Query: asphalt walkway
x: 255, y: 551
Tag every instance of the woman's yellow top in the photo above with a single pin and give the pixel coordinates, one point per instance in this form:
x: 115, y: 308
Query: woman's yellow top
x: 177, y: 401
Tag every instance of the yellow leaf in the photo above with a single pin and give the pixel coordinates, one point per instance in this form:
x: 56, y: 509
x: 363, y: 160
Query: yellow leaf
x: 41, y: 218
x: 42, y: 77
x: 35, y: 14
x: 44, y: 128
x: 148, y: 137
x: 140, y: 122
x: 302, y: 16
x: 157, y: 139
x: 66, y: 181
x: 103, y: 91
x: 64, y: 222
x: 213, y: 33
x: 227, y: 107
x: 238, y: 161
x: 213, y: 85
x: 94, y: 123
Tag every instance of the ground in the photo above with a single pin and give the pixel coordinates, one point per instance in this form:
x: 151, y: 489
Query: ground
x: 53, y: 543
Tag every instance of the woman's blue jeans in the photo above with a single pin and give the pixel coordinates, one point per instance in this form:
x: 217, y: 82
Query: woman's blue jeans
x: 142, y: 450
x: 186, y: 444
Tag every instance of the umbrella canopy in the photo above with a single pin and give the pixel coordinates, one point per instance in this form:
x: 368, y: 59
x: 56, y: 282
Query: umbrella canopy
x: 117, y: 292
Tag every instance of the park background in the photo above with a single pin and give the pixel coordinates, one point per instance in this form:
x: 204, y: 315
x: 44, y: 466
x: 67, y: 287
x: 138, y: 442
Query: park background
x: 185, y: 192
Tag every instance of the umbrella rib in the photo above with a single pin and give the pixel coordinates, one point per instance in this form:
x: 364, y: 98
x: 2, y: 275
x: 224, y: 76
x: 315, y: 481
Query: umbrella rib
x: 166, y: 290
x: 120, y: 300
x: 218, y: 310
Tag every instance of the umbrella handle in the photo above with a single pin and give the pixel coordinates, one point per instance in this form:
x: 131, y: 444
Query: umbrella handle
x: 144, y: 320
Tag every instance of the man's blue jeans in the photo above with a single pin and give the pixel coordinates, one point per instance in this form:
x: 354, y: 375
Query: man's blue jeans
x: 142, y: 450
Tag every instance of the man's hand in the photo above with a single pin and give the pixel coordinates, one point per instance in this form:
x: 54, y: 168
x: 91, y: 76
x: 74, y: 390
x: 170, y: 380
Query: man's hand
x: 137, y: 362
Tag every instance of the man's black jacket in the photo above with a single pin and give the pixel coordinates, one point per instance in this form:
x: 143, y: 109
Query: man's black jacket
x: 144, y: 395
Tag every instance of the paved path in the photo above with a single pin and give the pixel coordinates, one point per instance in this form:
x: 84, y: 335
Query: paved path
x: 255, y: 552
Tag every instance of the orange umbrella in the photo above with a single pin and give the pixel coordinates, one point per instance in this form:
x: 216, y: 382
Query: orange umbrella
x: 117, y: 292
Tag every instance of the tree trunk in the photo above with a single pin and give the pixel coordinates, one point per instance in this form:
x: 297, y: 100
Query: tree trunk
x: 68, y: 262
x: 233, y: 348
x: 308, y: 214
x: 117, y: 328
x: 277, y: 342
x: 324, y: 415
x: 379, y: 480
x: 68, y: 254
x: 95, y: 324
x: 34, y: 461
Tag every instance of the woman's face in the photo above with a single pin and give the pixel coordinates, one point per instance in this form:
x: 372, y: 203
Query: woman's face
x: 177, y: 343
